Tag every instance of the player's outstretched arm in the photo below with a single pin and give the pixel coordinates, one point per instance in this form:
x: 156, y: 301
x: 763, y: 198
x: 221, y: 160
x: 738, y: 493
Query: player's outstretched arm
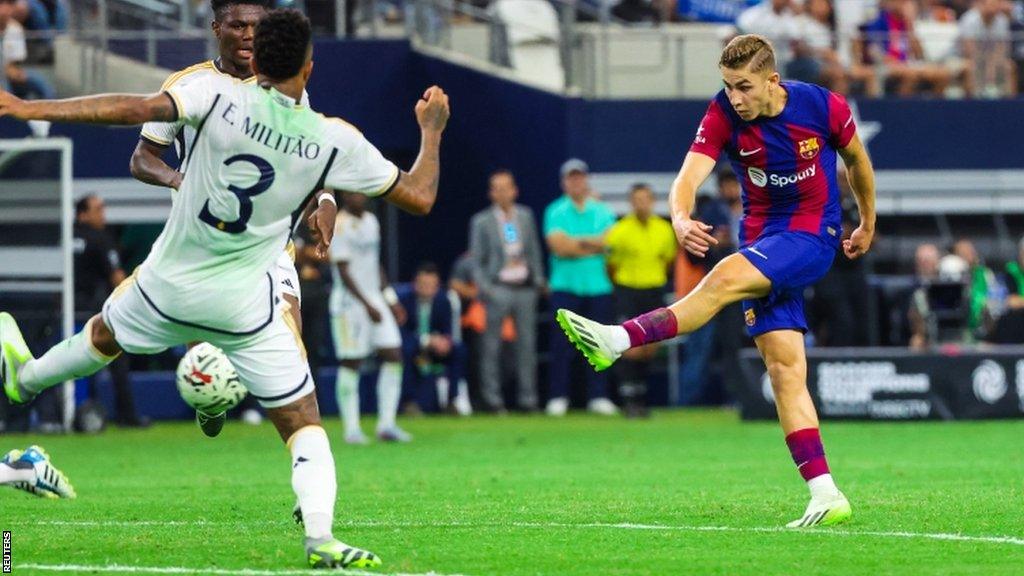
x: 862, y: 180
x: 694, y: 236
x: 147, y: 165
x: 416, y: 190
x: 113, y: 109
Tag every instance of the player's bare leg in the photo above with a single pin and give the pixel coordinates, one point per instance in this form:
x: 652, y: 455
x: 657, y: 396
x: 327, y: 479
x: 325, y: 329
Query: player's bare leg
x: 732, y: 280
x: 83, y: 354
x: 786, y: 360
x: 315, y: 485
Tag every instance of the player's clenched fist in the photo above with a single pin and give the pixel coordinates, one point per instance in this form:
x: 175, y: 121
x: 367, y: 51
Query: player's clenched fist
x: 694, y: 236
x: 858, y: 243
x: 432, y: 111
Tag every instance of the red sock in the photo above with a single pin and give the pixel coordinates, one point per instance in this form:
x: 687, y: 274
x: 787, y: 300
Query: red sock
x: 808, y: 453
x: 654, y: 326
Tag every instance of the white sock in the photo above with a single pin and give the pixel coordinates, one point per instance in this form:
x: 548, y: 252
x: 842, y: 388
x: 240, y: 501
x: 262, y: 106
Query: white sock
x: 620, y: 339
x: 347, y: 389
x: 9, y: 474
x: 314, y: 480
x: 822, y: 486
x: 73, y: 358
x: 389, y: 391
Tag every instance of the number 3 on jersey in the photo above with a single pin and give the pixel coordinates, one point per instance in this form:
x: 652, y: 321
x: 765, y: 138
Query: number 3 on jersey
x: 244, y: 195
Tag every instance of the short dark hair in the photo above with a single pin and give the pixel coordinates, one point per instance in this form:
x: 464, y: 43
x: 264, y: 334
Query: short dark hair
x: 640, y: 186
x: 428, y: 268
x: 283, y: 39
x: 82, y: 206
x: 502, y: 172
x: 219, y: 7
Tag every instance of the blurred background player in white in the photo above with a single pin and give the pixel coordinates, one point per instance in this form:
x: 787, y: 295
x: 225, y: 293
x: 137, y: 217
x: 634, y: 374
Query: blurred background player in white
x: 30, y: 470
x: 365, y: 315
x: 233, y: 26
x: 206, y: 277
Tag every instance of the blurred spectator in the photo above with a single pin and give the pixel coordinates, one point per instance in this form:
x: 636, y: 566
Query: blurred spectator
x: 506, y: 253
x: 637, y: 11
x: 427, y: 347
x: 13, y: 51
x: 719, y: 213
x: 936, y: 11
x: 1015, y: 280
x: 641, y: 248
x: 1016, y: 12
x: 574, y: 228
x: 891, y: 45
x: 979, y: 280
x: 97, y: 272
x: 776, y: 20
x: 926, y: 271
x: 472, y: 320
x: 985, y: 44
x: 45, y: 17
x: 816, y: 26
x: 1009, y: 328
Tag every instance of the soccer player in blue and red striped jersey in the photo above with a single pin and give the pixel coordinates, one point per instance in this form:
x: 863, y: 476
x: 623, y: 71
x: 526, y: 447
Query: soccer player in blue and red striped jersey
x: 783, y: 139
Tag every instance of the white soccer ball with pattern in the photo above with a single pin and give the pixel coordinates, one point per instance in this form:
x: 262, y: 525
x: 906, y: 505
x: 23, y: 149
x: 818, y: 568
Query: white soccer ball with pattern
x: 207, y: 380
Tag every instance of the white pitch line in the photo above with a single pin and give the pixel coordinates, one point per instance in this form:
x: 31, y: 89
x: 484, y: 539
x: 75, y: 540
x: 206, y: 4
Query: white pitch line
x: 953, y: 537
x: 122, y: 569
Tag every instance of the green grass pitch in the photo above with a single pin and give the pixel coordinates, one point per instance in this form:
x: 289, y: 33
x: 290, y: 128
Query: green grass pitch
x: 687, y: 492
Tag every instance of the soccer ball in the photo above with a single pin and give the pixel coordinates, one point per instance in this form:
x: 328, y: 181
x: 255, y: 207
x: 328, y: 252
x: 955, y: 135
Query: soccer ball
x: 207, y: 381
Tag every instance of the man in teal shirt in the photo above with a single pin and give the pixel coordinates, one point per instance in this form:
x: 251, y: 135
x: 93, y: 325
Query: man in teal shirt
x: 574, y: 228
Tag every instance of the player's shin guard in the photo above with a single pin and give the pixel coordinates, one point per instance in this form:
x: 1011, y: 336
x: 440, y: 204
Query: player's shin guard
x: 347, y: 389
x: 73, y: 358
x: 389, y: 392
x: 314, y: 480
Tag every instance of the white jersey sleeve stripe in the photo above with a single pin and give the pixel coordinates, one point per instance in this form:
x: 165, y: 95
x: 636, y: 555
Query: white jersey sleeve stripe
x: 199, y: 130
x: 391, y: 185
x: 154, y: 139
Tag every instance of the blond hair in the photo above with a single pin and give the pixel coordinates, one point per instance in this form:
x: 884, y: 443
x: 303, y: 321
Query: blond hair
x: 748, y: 49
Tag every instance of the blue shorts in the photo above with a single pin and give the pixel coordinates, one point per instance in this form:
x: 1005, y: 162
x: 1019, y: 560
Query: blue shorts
x: 792, y: 261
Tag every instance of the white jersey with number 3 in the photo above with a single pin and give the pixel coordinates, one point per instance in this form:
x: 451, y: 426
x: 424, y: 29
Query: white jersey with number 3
x: 256, y: 159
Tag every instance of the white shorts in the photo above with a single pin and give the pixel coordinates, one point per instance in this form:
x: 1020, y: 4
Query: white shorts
x: 356, y: 336
x: 271, y: 362
x: 286, y: 277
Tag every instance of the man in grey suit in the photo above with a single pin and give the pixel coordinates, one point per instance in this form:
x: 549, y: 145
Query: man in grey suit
x: 505, y: 248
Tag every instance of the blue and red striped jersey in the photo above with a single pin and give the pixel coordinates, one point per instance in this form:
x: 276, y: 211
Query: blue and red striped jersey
x: 786, y: 164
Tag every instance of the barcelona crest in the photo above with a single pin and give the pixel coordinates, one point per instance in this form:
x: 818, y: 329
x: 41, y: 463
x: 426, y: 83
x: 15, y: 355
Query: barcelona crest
x: 808, y: 148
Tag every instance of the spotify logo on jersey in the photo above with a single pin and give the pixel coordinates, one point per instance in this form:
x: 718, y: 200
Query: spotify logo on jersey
x: 757, y: 176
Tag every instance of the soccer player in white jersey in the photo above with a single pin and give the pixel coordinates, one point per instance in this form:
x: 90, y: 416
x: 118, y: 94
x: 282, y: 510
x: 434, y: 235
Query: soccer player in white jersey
x: 365, y: 315
x: 234, y: 24
x: 257, y: 158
